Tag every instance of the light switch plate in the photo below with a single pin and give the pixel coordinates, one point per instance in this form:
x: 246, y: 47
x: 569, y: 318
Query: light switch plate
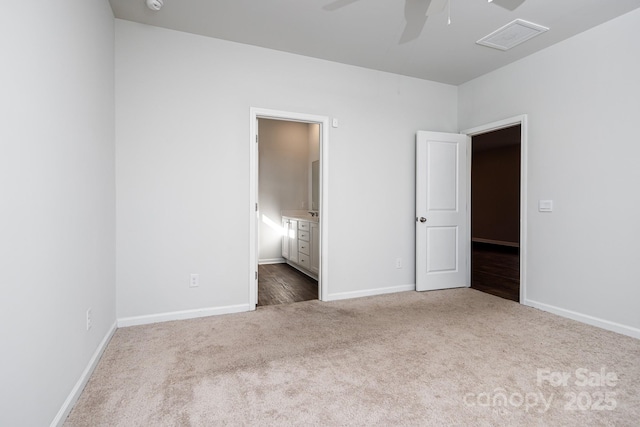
x: 545, y: 205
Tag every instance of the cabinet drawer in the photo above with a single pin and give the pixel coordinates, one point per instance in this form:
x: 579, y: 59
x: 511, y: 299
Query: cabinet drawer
x: 303, y: 235
x: 304, y: 261
x: 303, y: 247
x: 303, y: 225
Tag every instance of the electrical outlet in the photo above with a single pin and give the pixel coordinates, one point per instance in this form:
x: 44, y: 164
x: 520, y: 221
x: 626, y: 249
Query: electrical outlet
x: 194, y: 280
x: 398, y: 262
x: 88, y: 319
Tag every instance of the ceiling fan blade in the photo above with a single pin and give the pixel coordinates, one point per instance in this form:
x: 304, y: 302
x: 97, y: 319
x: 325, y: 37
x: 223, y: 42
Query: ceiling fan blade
x: 337, y: 4
x: 508, y: 4
x: 436, y: 6
x: 413, y: 29
x: 415, y: 13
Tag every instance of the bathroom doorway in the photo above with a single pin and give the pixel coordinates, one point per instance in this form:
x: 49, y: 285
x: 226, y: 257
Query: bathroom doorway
x: 288, y: 200
x: 289, y: 234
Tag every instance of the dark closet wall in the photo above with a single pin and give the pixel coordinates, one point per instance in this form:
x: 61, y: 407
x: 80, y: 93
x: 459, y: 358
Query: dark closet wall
x: 495, y: 186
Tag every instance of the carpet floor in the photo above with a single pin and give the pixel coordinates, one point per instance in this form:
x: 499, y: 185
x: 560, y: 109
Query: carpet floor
x: 456, y: 357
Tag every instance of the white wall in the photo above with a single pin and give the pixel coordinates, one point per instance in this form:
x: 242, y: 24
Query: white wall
x: 182, y: 131
x: 57, y: 219
x: 582, y: 100
x: 283, y: 183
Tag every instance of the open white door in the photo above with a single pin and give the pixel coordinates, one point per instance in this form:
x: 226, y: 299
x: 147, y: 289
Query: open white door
x: 441, y: 211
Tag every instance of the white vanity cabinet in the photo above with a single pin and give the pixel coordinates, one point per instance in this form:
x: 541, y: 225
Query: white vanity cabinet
x: 304, y: 244
x: 300, y: 245
x: 290, y: 239
x: 315, y: 248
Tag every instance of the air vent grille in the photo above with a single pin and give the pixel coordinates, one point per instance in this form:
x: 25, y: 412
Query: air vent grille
x: 512, y: 34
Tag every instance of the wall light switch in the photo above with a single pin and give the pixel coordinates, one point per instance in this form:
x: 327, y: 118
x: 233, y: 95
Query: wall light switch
x: 334, y: 122
x: 545, y: 205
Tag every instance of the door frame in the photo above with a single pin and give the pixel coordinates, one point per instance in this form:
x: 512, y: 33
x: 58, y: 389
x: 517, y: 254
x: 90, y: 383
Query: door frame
x: 323, y: 121
x: 490, y: 127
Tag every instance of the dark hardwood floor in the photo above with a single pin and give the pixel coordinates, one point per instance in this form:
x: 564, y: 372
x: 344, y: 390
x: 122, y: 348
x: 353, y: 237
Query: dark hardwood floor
x: 495, y: 270
x: 281, y: 284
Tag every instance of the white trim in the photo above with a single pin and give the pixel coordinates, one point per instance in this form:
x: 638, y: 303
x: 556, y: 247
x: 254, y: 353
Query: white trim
x: 272, y: 261
x: 501, y: 124
x: 77, y: 389
x: 497, y: 125
x: 181, y: 315
x: 323, y: 121
x: 370, y: 292
x: 585, y: 318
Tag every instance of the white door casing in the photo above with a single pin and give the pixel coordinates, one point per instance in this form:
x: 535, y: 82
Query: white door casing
x: 521, y: 120
x: 441, y: 211
x: 253, y: 288
x: 323, y: 121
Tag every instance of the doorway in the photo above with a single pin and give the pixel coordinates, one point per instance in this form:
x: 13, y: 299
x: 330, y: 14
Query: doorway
x: 495, y: 212
x: 289, y: 209
x: 518, y: 125
x: 288, y: 201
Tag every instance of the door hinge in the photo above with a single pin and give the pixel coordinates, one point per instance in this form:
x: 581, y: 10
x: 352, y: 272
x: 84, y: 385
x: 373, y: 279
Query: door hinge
x: 256, y: 275
x: 256, y: 139
x: 256, y: 207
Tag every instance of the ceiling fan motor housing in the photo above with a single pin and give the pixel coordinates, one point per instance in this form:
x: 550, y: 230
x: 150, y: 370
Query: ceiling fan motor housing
x: 155, y: 4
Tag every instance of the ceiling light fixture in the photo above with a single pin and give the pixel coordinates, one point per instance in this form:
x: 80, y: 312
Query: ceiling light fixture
x: 155, y: 5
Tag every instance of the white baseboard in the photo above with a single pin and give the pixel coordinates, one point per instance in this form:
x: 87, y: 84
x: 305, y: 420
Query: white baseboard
x: 181, y: 315
x: 370, y: 292
x: 303, y: 270
x: 71, y: 400
x: 585, y: 318
x: 272, y: 261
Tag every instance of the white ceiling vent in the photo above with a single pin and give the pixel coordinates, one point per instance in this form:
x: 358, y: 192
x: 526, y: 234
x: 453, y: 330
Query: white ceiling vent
x: 512, y: 34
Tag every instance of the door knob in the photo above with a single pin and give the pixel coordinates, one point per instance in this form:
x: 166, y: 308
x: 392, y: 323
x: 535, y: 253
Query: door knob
x: 422, y: 219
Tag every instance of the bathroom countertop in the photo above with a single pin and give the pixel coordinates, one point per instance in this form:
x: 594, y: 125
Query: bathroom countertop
x: 300, y: 214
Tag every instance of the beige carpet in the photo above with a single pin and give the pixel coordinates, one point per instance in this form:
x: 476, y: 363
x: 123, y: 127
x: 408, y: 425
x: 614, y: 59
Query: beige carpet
x: 457, y: 357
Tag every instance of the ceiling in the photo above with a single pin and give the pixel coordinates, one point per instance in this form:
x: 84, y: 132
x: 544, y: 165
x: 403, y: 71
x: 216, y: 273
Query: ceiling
x: 366, y: 33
